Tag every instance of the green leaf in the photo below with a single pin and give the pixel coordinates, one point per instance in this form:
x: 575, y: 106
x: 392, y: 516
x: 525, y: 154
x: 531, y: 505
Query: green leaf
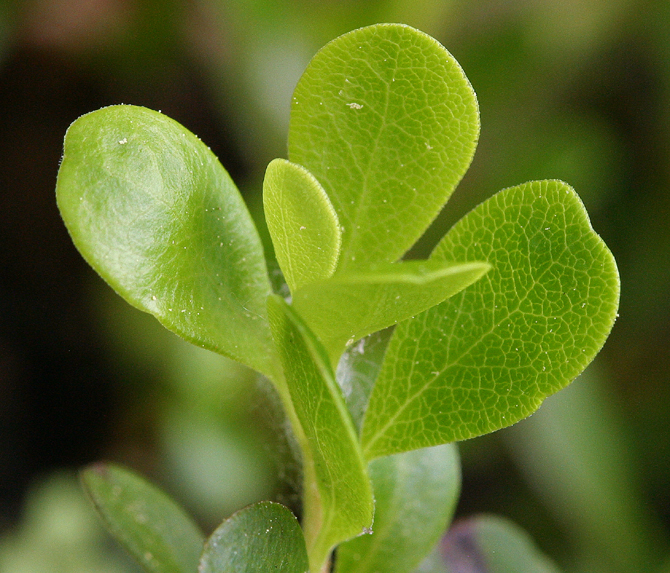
x: 387, y: 122
x: 148, y: 523
x: 491, y: 544
x: 488, y: 356
x: 338, y: 494
x: 302, y: 222
x: 349, y: 306
x: 263, y: 537
x: 415, y: 497
x: 152, y: 210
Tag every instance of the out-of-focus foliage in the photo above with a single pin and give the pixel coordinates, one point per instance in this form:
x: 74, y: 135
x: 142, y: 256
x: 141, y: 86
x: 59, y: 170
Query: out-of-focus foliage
x: 570, y: 90
x: 149, y: 524
x: 61, y: 532
x: 214, y: 422
x: 487, y: 544
x: 576, y: 456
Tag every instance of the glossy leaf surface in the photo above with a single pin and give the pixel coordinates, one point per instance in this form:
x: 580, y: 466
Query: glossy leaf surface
x: 156, y: 215
x: 488, y: 356
x: 387, y: 122
x: 302, y: 222
x: 491, y: 544
x: 149, y: 524
x: 349, y: 306
x: 261, y: 538
x: 415, y: 497
x: 340, y: 506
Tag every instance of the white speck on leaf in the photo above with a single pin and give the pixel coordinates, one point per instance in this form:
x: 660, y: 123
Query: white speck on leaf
x: 354, y: 105
x: 123, y: 141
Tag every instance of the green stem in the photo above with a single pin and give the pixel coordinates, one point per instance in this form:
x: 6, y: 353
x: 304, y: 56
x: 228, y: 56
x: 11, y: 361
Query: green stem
x: 319, y: 559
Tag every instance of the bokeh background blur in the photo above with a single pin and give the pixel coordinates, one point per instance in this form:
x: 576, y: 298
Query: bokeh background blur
x: 577, y: 90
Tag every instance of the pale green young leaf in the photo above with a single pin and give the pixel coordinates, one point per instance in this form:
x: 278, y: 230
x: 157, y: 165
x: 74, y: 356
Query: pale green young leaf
x: 152, y: 210
x: 148, y: 523
x: 351, y: 305
x: 338, y: 500
x: 387, y: 122
x: 302, y: 223
x: 491, y: 544
x: 488, y: 356
x: 262, y: 538
x: 415, y: 497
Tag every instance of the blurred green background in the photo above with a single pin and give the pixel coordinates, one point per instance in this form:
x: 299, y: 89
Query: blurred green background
x: 577, y: 90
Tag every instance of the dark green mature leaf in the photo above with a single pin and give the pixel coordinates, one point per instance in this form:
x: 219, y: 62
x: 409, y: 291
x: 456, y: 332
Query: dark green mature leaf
x: 262, y: 538
x: 340, y: 506
x: 488, y: 356
x: 491, y: 544
x: 387, y: 122
x: 415, y: 497
x: 149, y: 524
x: 350, y: 306
x: 153, y: 211
x: 302, y: 222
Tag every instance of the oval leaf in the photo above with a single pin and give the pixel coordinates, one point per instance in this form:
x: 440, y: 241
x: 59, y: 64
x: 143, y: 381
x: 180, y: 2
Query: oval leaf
x: 488, y: 356
x: 261, y: 538
x: 338, y: 494
x: 152, y: 210
x: 350, y: 306
x: 149, y: 524
x: 387, y: 122
x: 302, y: 222
x: 415, y: 497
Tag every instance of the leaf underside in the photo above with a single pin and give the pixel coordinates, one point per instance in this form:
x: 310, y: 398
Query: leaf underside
x: 488, y: 356
x: 348, y: 307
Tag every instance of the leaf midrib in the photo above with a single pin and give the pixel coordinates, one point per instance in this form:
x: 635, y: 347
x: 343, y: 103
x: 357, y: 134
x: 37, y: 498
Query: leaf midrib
x: 364, y: 196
